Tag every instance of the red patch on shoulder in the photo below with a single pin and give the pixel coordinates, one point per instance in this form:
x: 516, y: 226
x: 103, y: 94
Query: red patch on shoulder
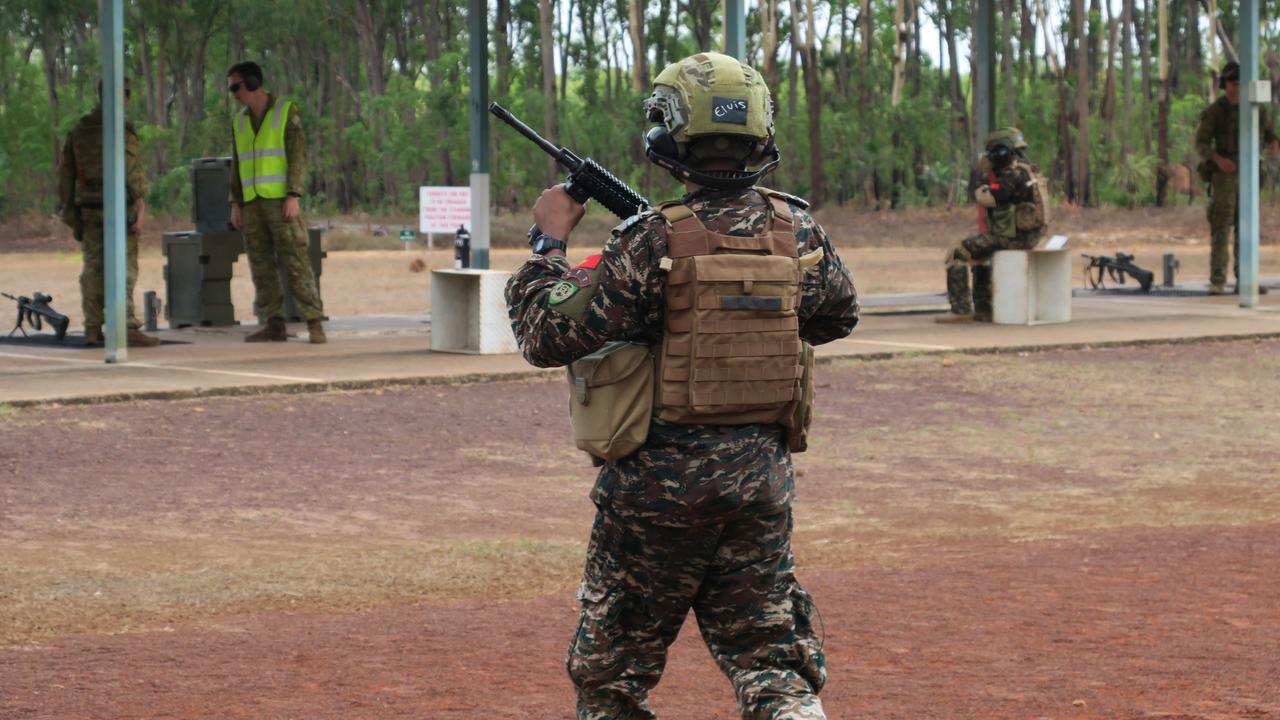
x: 591, y: 262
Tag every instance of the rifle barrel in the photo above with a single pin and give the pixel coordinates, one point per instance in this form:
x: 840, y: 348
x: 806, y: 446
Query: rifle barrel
x: 505, y: 116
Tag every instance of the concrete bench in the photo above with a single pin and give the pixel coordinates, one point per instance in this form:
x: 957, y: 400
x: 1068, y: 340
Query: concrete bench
x: 1032, y: 287
x: 469, y: 312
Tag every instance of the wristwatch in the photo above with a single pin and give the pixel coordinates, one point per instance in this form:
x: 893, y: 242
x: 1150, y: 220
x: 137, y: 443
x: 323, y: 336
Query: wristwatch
x: 543, y: 243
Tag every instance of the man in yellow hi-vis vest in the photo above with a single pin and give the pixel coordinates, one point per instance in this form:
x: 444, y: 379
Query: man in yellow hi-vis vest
x: 268, y: 165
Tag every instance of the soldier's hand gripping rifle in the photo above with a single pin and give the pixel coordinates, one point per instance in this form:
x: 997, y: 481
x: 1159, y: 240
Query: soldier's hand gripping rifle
x: 588, y: 180
x: 32, y: 309
x: 1116, y: 267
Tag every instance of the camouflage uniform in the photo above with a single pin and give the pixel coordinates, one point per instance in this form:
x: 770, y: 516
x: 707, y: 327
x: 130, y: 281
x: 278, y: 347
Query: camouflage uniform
x: 270, y: 239
x: 80, y: 192
x: 1219, y: 131
x: 1010, y: 187
x: 700, y: 516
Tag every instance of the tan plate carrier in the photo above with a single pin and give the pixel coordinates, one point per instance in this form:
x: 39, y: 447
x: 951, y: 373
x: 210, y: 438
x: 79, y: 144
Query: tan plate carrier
x: 731, y: 350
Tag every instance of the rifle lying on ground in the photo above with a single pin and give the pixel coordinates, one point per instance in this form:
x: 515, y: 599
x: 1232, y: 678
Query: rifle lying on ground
x: 1117, y: 267
x: 32, y: 309
x: 587, y: 178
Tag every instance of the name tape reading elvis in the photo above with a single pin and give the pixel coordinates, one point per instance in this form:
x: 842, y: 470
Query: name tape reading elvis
x: 729, y: 110
x: 443, y: 209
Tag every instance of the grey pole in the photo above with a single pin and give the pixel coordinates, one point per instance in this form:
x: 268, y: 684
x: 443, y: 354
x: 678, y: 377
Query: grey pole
x: 984, y: 90
x: 735, y: 29
x: 477, y: 15
x: 115, y: 330
x: 1252, y: 93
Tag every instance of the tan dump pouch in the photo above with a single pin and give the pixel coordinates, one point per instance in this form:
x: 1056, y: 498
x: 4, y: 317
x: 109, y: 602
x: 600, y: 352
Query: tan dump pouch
x: 611, y: 399
x: 1034, y: 215
x: 800, y: 412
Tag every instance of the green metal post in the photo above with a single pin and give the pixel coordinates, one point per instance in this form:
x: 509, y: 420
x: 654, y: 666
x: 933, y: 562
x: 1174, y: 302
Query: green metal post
x: 984, y: 91
x: 735, y: 29
x: 477, y: 15
x: 115, y: 329
x: 1247, y: 281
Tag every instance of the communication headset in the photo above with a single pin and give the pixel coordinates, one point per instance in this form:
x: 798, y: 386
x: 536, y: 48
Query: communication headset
x: 1001, y: 155
x: 662, y: 150
x: 252, y: 82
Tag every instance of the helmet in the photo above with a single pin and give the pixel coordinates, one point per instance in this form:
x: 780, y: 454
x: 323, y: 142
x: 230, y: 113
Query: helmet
x: 1230, y: 71
x: 1011, y: 137
x: 710, y: 106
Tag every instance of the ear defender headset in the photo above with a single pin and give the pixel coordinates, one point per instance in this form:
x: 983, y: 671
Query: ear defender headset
x: 252, y: 82
x: 1001, y: 155
x: 663, y: 150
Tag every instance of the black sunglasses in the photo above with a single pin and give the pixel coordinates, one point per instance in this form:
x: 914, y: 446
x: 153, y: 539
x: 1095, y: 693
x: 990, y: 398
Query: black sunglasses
x: 234, y: 87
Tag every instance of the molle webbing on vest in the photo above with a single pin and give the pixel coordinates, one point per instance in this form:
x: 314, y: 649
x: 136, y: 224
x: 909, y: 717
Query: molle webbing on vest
x: 731, y: 348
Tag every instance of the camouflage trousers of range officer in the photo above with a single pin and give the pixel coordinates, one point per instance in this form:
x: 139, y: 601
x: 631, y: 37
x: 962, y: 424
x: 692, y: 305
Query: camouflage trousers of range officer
x: 271, y: 242
x: 93, y: 273
x: 1224, y: 227
x: 974, y: 249
x: 639, y: 584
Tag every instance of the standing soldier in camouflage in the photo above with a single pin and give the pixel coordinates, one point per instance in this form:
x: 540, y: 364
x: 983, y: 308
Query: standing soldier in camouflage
x: 699, y: 517
x: 268, y: 166
x: 1017, y: 212
x: 80, y: 194
x: 1217, y: 143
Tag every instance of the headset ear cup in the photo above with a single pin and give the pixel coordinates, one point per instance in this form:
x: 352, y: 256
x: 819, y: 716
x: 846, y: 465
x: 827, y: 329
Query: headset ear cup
x: 252, y: 83
x: 658, y: 141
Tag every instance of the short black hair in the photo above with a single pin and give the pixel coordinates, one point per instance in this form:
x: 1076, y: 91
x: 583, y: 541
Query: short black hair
x: 247, y: 69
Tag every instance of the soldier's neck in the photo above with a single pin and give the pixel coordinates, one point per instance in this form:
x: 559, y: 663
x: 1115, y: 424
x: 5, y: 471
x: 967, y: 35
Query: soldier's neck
x: 258, y: 104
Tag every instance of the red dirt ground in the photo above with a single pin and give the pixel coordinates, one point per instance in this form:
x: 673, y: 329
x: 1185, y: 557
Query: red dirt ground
x: 944, y: 615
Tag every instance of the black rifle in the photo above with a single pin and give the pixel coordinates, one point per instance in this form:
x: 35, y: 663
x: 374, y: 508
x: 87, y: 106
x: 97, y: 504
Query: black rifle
x: 1117, y: 267
x: 587, y: 178
x: 32, y: 309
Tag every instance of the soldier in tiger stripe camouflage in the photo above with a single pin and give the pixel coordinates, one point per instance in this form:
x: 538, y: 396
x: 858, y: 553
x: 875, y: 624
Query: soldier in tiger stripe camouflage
x: 699, y: 518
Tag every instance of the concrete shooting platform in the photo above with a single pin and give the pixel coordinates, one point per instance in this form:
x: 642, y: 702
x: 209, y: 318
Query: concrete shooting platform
x: 371, y: 350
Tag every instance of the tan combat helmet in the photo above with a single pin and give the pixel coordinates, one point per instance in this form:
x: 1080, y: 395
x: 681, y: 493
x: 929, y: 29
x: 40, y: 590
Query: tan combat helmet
x: 1010, y: 137
x: 707, y: 107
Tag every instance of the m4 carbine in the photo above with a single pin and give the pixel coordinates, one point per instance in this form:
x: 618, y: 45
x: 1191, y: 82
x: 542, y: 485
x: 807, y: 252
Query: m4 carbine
x: 32, y: 309
x: 588, y: 180
x: 1116, y: 267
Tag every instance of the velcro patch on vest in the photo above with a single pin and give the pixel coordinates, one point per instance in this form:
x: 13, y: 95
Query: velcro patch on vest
x: 729, y: 110
x: 750, y: 302
x: 591, y: 262
x: 562, y: 291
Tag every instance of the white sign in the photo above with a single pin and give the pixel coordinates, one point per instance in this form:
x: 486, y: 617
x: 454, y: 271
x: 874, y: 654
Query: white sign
x: 444, y: 209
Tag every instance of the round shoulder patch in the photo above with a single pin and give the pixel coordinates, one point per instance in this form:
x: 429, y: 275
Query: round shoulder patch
x: 562, y: 291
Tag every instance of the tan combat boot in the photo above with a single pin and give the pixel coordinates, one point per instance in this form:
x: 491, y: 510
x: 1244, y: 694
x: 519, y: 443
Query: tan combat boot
x: 137, y: 338
x: 273, y: 331
x: 93, y: 336
x: 316, y: 330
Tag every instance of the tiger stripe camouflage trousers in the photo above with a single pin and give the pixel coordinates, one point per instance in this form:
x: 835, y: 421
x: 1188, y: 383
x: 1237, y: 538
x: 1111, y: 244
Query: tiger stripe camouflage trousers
x: 738, y: 577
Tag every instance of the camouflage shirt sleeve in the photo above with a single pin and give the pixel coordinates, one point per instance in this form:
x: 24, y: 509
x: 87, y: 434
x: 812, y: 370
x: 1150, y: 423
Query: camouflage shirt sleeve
x: 829, y: 307
x: 136, y: 178
x: 1204, y: 132
x: 67, y: 176
x: 295, y: 148
x: 561, y: 313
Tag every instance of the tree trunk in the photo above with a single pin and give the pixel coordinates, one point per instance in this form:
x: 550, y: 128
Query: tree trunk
x: 769, y: 43
x: 901, y: 37
x: 1144, y: 59
x: 502, y: 46
x: 1126, y: 73
x: 1082, y: 104
x: 960, y: 114
x: 864, y: 19
x: 549, y: 127
x: 813, y: 103
x: 640, y: 61
x: 1162, y: 119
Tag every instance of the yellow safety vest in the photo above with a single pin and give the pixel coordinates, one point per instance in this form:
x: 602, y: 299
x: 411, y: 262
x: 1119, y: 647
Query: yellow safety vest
x: 264, y: 167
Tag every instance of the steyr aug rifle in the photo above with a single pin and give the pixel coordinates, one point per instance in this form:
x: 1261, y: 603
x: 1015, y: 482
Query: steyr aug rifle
x: 588, y: 180
x: 1102, y: 266
x: 32, y: 309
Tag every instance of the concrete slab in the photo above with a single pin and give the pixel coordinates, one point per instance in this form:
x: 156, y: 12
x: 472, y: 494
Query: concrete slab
x: 368, y: 351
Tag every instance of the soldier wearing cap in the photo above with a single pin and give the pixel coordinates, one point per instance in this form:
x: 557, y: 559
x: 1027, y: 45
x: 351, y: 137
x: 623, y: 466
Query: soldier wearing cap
x: 1217, y: 143
x: 699, y: 517
x: 1016, y: 212
x: 80, y: 195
